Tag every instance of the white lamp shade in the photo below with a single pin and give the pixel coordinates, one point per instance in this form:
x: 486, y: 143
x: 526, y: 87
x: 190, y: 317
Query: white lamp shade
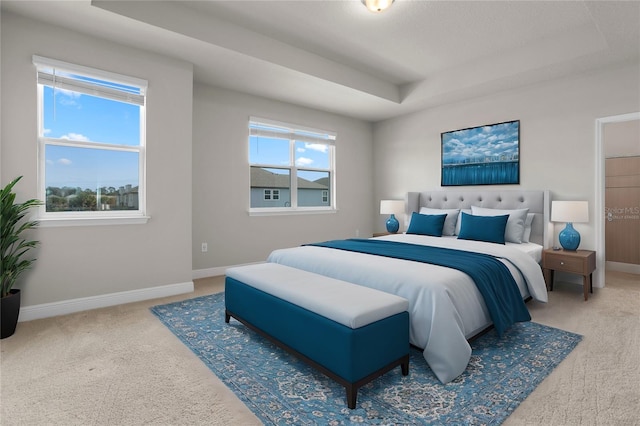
x: 570, y: 211
x: 391, y: 206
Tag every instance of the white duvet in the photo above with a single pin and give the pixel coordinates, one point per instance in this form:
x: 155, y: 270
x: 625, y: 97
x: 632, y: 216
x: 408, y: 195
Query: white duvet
x: 445, y: 307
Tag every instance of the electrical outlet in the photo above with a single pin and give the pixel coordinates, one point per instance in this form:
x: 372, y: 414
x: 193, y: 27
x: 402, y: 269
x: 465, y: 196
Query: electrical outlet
x: 204, y: 247
x: 357, y: 232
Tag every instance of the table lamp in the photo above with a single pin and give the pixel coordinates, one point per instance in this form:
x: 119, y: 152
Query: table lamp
x: 569, y: 212
x: 392, y: 207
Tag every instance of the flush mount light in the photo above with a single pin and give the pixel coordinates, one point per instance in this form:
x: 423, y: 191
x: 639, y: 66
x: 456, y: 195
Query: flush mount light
x: 377, y: 5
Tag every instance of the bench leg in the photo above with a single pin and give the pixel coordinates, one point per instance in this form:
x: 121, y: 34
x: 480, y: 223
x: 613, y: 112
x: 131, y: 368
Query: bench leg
x: 227, y: 317
x: 352, y: 395
x: 352, y: 388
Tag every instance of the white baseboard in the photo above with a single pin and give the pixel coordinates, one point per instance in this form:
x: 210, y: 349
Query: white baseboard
x: 209, y: 272
x: 622, y: 267
x: 214, y: 272
x: 64, y: 307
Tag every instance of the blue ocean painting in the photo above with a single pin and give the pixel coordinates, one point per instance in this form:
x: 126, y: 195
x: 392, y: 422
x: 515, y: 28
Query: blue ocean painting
x: 484, y: 155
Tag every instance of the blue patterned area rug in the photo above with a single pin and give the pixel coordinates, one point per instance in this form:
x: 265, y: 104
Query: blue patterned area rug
x: 280, y: 389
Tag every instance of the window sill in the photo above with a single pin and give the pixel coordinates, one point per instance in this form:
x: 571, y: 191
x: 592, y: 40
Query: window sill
x: 285, y: 212
x: 92, y: 221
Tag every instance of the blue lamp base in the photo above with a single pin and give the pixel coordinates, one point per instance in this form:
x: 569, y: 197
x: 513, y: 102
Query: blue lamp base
x: 392, y: 224
x: 569, y: 238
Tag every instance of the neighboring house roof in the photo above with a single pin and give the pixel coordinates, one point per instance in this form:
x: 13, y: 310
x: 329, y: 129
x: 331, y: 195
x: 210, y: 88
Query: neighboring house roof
x: 261, y: 178
x: 323, y: 181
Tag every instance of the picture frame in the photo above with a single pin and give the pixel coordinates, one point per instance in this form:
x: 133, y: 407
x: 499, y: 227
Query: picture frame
x: 482, y: 155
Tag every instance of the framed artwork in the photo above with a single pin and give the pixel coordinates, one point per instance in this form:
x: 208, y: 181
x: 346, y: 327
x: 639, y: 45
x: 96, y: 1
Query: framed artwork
x: 483, y: 155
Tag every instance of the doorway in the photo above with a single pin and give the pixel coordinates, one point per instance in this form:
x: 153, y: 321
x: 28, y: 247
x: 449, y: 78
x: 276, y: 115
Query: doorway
x: 600, y: 191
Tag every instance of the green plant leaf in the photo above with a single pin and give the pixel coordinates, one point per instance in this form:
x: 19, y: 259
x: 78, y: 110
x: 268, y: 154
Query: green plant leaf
x: 13, y: 247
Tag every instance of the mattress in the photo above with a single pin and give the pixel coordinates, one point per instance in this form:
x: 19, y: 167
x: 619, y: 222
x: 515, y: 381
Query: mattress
x: 532, y: 249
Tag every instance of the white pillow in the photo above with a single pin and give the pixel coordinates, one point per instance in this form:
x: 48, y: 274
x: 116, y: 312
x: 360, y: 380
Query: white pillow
x: 467, y: 211
x: 515, y: 225
x: 527, y: 227
x: 449, y: 222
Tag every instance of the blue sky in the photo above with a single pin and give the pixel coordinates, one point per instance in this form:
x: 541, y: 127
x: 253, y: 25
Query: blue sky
x: 89, y: 118
x: 480, y: 142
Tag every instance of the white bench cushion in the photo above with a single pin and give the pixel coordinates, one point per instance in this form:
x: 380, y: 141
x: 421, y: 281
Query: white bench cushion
x: 349, y: 304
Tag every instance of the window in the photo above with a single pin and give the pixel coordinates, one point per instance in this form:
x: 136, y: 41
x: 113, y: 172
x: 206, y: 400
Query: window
x: 91, y: 144
x: 292, y: 168
x: 271, y: 194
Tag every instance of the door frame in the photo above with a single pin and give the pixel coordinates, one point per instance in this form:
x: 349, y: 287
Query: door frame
x: 600, y: 191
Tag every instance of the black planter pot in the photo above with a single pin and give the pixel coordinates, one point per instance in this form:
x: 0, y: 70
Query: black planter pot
x: 9, y: 311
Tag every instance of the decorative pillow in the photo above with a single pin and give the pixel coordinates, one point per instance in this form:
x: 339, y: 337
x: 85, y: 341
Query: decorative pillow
x: 527, y: 227
x: 450, y: 221
x: 483, y: 228
x: 424, y: 224
x: 459, y: 222
x: 515, y: 225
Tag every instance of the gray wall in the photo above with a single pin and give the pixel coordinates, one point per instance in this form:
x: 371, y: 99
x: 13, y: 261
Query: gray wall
x: 221, y: 181
x: 557, y: 137
x: 87, y: 261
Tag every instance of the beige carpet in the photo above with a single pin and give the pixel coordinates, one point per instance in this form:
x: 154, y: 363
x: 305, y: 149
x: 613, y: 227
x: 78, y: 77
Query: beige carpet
x: 121, y: 366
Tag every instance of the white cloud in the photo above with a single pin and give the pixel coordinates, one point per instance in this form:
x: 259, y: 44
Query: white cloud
x: 68, y: 93
x: 303, y: 161
x: 300, y: 149
x: 65, y: 161
x: 317, y: 147
x: 67, y: 97
x: 75, y: 137
x: 46, y: 131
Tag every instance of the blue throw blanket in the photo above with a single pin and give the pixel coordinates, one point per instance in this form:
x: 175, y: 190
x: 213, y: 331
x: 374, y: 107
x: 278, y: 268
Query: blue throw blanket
x: 491, y: 276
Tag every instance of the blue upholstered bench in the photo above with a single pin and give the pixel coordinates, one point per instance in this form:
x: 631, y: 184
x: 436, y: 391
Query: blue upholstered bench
x: 351, y: 333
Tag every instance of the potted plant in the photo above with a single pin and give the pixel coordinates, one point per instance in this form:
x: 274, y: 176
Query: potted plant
x: 14, y: 248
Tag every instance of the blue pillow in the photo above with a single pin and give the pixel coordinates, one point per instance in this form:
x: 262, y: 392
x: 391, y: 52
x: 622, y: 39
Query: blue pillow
x: 483, y: 228
x: 426, y: 224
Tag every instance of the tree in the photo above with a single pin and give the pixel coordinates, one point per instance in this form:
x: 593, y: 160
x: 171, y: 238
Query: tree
x: 56, y: 203
x: 83, y: 201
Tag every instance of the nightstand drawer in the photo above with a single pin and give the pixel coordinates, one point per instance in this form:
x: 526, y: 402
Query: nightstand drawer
x: 564, y: 263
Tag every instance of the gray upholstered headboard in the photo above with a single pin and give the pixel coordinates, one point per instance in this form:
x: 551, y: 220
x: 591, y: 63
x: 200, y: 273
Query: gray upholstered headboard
x: 536, y: 201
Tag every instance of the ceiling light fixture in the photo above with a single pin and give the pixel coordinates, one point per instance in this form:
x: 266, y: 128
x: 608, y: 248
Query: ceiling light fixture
x: 377, y: 5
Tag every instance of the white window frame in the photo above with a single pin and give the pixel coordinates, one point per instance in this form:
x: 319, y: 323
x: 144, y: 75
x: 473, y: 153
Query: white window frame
x: 46, y: 76
x: 296, y: 133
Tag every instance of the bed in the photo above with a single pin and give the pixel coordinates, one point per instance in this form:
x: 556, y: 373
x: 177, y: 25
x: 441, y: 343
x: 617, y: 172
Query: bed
x: 446, y: 308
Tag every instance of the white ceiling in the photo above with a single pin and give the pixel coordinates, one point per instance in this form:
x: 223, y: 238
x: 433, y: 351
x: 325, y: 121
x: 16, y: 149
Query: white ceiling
x: 335, y: 55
